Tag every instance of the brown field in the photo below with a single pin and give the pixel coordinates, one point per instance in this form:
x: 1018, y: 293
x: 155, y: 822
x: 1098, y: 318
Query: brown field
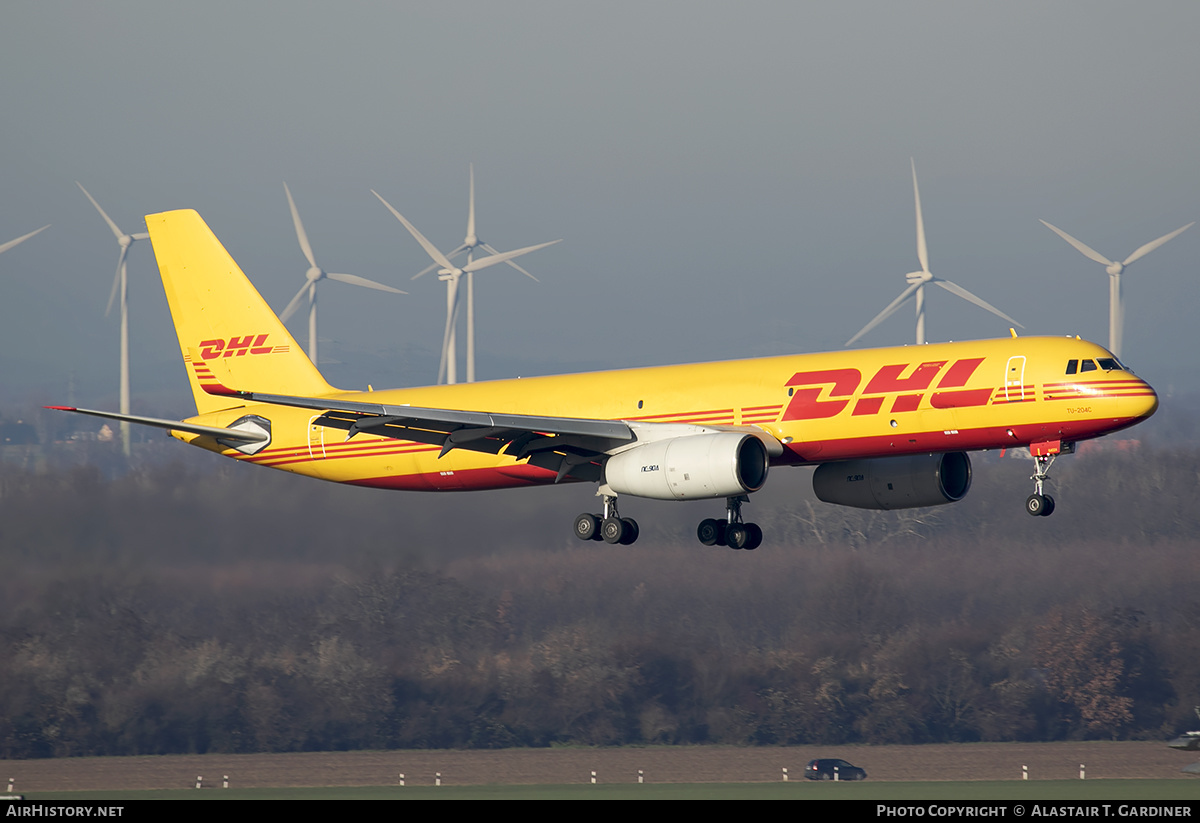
x: 690, y: 764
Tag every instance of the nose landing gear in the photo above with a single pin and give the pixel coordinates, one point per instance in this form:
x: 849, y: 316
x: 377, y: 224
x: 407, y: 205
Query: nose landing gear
x: 1040, y: 504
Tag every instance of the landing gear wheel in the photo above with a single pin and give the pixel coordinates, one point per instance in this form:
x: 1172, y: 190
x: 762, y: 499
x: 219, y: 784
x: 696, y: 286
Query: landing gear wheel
x: 587, y: 527
x: 629, y: 534
x: 1049, y: 507
x: 754, y: 539
x: 711, y: 532
x: 736, y: 536
x: 612, y: 529
x: 1037, y: 505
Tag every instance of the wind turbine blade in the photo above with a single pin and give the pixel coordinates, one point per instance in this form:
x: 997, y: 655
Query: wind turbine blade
x: 886, y: 313
x: 922, y: 249
x: 295, y: 304
x: 142, y: 235
x: 956, y: 289
x: 487, y: 247
x: 430, y: 249
x: 355, y: 280
x: 300, y: 234
x: 471, y: 204
x: 112, y: 295
x: 484, y: 262
x: 117, y: 233
x: 433, y: 266
x: 1144, y: 250
x: 20, y: 239
x: 1086, y: 250
x: 425, y: 271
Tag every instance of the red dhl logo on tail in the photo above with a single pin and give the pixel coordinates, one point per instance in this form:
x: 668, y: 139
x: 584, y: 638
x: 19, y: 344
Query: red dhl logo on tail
x: 806, y: 403
x: 237, y: 347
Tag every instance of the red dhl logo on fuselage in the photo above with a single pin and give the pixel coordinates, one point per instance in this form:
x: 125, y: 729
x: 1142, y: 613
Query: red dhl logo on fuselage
x: 889, y: 380
x: 236, y: 347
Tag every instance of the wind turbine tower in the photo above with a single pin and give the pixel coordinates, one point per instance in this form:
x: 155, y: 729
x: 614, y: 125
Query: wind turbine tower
x: 120, y: 286
x: 917, y: 281
x: 1116, y: 311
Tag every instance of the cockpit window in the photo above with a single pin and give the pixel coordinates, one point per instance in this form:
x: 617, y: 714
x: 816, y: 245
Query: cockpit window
x: 1088, y: 365
x: 1109, y: 364
x: 1072, y: 366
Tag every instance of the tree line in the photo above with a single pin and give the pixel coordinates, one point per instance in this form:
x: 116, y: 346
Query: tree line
x: 229, y: 609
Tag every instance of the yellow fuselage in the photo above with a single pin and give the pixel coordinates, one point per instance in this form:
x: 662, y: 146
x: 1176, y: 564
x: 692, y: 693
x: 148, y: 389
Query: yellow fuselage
x: 823, y: 407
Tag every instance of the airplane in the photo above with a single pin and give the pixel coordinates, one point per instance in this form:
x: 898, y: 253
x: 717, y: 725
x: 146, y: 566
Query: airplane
x: 886, y: 428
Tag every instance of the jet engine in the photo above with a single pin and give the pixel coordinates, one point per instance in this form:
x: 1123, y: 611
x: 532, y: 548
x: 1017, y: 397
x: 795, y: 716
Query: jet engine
x: 723, y: 464
x: 895, y: 482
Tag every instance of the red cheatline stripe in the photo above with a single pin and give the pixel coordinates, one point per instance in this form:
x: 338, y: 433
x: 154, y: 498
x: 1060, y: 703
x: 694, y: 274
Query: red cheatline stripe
x: 306, y: 458
x: 283, y: 454
x: 1108, y: 395
x: 294, y: 453
x: 673, y: 416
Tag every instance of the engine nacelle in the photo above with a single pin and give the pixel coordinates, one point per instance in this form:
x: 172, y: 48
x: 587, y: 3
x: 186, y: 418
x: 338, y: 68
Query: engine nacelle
x: 895, y: 482
x: 724, y: 464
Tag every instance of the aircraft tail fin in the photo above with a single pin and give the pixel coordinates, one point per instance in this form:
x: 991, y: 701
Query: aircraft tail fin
x: 219, y: 315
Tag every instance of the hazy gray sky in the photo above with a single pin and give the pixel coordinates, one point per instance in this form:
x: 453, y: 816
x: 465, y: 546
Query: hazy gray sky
x: 729, y: 180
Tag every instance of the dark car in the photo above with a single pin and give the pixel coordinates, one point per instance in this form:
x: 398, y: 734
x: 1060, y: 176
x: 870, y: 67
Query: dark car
x: 828, y: 768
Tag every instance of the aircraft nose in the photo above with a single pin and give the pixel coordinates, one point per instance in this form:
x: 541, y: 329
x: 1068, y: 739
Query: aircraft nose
x: 1140, y: 403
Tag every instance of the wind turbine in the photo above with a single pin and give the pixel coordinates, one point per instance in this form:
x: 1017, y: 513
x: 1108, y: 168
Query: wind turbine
x: 451, y: 274
x: 469, y: 245
x: 121, y: 286
x: 11, y: 243
x: 918, y: 279
x: 313, y: 276
x: 1116, y: 312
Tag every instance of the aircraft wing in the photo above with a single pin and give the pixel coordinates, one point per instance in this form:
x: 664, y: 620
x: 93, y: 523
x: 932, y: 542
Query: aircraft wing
x: 566, y: 445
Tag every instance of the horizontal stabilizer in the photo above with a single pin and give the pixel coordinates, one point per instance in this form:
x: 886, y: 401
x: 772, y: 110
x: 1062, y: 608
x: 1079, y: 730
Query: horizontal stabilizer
x: 238, y: 435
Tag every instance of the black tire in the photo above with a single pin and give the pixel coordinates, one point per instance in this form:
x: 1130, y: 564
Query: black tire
x: 711, y: 532
x: 736, y: 536
x: 587, y: 526
x: 630, y: 535
x: 612, y: 530
x: 1049, y: 509
x: 1035, y: 504
x: 756, y: 537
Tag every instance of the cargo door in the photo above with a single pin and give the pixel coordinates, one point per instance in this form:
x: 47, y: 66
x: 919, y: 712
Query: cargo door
x: 1014, y: 379
x: 316, y: 439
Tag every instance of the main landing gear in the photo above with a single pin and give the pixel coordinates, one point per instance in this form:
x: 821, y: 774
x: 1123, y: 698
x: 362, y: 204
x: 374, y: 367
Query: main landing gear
x: 731, y: 532
x: 1040, y: 504
x: 609, y: 526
